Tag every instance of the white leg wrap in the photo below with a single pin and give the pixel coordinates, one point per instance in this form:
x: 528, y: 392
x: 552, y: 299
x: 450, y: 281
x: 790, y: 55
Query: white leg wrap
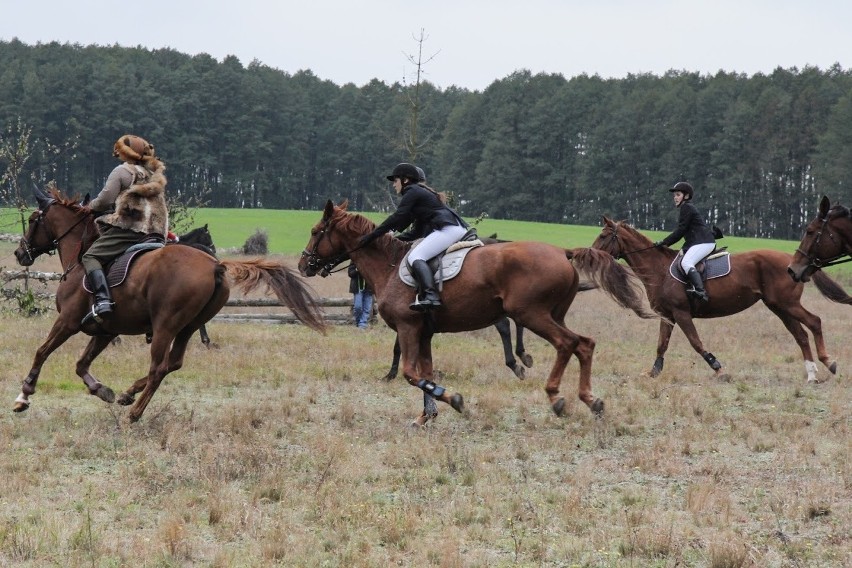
x: 811, y: 369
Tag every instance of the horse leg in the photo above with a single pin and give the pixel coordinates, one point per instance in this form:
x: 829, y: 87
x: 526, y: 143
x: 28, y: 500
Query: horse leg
x: 417, y: 370
x: 793, y: 325
x: 394, y: 370
x: 58, y: 335
x: 205, y: 339
x: 175, y: 362
x: 662, y: 346
x: 686, y: 324
x: 157, y: 370
x: 505, y: 331
x: 96, y: 345
x: 520, y: 350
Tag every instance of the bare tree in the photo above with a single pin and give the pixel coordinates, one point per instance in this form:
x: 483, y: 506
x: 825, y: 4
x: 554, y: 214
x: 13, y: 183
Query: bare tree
x: 412, y: 142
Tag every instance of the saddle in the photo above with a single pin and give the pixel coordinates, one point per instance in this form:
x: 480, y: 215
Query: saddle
x: 118, y: 269
x: 714, y: 265
x: 446, y: 265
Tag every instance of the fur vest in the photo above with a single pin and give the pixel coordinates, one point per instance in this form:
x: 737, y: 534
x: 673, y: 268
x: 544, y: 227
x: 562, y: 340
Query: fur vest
x: 142, y: 206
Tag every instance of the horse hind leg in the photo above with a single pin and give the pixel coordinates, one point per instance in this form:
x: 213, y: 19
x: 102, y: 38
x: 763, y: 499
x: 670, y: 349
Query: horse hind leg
x: 504, y: 329
x: 163, y: 362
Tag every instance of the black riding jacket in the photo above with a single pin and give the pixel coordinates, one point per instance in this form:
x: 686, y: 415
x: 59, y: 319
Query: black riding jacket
x: 691, y: 227
x: 422, y: 207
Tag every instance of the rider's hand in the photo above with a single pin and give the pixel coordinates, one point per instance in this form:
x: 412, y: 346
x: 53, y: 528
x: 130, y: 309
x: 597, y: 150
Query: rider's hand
x: 658, y: 244
x: 366, y: 239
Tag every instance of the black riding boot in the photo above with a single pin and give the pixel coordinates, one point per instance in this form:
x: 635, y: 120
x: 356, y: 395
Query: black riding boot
x: 428, y: 298
x: 697, y: 288
x: 103, y: 304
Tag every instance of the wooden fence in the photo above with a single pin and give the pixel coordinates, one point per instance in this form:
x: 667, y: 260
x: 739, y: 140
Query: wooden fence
x: 340, y: 318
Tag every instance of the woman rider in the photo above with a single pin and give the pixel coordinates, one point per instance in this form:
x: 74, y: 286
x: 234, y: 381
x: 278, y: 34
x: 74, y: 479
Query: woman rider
x: 434, y: 222
x: 698, y: 238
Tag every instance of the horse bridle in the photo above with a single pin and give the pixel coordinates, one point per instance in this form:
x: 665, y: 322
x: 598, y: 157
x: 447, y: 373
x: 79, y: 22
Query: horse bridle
x: 327, y: 267
x: 34, y: 253
x: 623, y: 254
x: 814, y: 260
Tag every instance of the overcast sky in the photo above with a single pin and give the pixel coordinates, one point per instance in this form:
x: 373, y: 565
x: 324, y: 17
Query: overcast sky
x: 468, y: 44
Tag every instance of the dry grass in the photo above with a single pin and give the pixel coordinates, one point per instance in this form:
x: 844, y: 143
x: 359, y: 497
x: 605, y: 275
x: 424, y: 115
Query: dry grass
x: 283, y: 448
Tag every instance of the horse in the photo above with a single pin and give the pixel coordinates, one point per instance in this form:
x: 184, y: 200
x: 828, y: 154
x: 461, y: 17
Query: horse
x: 827, y: 240
x: 755, y: 275
x: 532, y: 283
x: 170, y: 291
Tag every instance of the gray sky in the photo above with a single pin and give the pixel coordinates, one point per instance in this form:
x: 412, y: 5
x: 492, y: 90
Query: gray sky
x: 468, y: 43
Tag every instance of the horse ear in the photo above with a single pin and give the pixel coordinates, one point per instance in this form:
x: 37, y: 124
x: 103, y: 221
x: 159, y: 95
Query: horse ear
x: 44, y: 200
x: 205, y: 226
x: 329, y: 209
x: 607, y: 221
x: 344, y: 204
x: 824, y: 206
x: 86, y: 200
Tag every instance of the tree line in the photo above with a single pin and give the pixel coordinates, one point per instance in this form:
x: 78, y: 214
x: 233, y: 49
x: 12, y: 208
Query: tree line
x: 760, y: 150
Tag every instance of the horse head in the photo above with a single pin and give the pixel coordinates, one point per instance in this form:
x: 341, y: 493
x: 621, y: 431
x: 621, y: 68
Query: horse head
x: 608, y: 240
x: 51, y: 222
x: 327, y: 246
x: 822, y: 243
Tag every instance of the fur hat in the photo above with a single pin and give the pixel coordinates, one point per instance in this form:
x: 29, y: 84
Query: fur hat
x: 133, y: 149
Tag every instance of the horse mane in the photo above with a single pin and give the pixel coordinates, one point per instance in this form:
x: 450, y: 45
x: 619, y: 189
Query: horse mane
x: 839, y: 211
x: 73, y: 202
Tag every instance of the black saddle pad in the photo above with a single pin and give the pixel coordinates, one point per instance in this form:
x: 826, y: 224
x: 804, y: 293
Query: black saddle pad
x: 716, y: 265
x: 118, y: 270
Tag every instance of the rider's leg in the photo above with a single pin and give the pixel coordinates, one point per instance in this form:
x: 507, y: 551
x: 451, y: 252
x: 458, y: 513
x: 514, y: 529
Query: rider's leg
x: 690, y: 259
x: 432, y: 245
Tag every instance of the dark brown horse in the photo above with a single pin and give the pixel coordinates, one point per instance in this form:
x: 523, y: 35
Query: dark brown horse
x: 755, y: 275
x: 827, y: 241
x: 170, y: 292
x: 532, y: 283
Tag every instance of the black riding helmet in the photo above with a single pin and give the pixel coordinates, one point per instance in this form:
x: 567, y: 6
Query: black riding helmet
x: 684, y: 188
x: 405, y: 170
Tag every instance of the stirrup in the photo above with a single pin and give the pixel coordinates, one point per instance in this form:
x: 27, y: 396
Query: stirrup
x: 97, y: 316
x: 424, y: 305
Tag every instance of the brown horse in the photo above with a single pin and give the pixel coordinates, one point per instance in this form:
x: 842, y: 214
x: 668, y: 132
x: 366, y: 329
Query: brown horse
x: 827, y: 240
x: 755, y: 275
x: 169, y: 292
x: 532, y: 283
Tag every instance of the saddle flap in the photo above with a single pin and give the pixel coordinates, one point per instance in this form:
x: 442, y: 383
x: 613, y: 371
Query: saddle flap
x: 116, y: 272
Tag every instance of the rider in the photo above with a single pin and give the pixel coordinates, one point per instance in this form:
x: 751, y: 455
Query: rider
x: 130, y: 208
x: 434, y: 222
x: 698, y: 238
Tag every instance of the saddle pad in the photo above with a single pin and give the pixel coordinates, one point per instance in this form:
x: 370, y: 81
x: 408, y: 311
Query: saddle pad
x: 451, y: 263
x: 118, y: 270
x: 715, y: 266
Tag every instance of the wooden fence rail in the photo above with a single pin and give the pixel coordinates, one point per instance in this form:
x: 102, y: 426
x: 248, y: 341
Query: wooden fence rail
x: 332, y: 318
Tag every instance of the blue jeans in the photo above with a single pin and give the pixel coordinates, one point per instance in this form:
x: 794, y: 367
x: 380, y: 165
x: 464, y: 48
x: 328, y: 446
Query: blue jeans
x: 362, y: 308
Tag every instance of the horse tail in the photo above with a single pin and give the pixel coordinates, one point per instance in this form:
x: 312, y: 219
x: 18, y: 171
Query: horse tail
x: 283, y: 281
x: 830, y: 289
x: 612, y: 277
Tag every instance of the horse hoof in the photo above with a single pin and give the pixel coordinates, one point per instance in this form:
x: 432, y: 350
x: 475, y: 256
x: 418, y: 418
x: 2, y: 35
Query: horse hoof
x: 20, y: 407
x: 526, y: 359
x: 833, y: 368
x: 104, y: 393
x: 559, y: 406
x: 457, y: 402
x: 724, y: 377
x: 125, y: 400
x: 598, y: 407
x: 519, y: 371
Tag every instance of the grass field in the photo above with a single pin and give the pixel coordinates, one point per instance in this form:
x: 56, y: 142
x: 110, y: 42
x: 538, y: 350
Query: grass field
x: 282, y: 447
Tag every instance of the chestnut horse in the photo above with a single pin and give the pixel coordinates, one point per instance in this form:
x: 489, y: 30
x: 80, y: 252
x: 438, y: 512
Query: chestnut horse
x: 755, y: 275
x: 532, y: 283
x: 827, y: 240
x: 170, y: 292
